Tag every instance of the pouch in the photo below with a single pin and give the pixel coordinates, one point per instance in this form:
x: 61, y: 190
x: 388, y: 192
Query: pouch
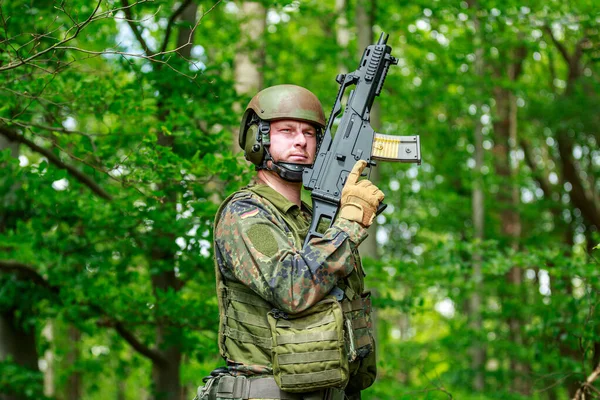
x: 359, y: 327
x: 309, y: 350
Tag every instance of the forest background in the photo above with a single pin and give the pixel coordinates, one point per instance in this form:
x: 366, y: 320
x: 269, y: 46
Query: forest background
x: 118, y: 125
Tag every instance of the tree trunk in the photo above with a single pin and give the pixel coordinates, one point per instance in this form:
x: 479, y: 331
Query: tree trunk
x: 6, y: 144
x: 74, y: 381
x: 14, y: 151
x: 49, y: 386
x: 580, y: 198
x: 166, y: 373
x: 505, y: 129
x: 19, y: 344
x: 185, y: 34
x: 16, y: 342
x: 250, y: 56
x: 342, y: 34
x: 477, y: 350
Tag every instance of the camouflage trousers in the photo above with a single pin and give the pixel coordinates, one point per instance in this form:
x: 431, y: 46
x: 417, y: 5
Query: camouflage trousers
x: 227, y: 387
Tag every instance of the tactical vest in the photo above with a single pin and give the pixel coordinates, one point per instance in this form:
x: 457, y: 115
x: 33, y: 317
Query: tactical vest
x: 245, y: 335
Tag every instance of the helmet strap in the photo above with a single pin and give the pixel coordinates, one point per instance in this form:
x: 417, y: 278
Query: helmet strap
x: 290, y: 172
x: 287, y: 171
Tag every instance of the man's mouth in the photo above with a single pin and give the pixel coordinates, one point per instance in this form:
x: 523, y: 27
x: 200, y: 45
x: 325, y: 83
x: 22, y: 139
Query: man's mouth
x: 299, y: 156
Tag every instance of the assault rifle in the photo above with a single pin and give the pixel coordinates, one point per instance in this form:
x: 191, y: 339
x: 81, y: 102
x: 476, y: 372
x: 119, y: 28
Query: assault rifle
x: 355, y: 139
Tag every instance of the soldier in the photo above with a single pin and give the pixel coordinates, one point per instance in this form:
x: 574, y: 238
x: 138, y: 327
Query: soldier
x: 263, y: 269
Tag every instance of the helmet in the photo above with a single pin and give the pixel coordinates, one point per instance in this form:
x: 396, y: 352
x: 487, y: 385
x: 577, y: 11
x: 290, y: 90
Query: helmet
x: 275, y: 103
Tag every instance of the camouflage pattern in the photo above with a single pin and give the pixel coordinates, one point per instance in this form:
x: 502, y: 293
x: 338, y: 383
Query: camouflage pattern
x: 237, y: 369
x: 259, y: 239
x: 280, y: 270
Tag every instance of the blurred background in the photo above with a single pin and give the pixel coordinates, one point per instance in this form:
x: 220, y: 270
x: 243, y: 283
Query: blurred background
x: 118, y: 140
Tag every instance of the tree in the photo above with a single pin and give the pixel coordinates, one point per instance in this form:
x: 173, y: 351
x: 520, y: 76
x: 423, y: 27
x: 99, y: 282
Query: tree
x: 128, y: 176
x: 121, y: 119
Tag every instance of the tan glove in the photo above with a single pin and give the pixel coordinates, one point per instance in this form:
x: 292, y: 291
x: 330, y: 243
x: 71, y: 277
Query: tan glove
x: 360, y: 199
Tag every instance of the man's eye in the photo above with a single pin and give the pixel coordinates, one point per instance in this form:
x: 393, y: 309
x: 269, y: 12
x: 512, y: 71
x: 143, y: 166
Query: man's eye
x: 311, y: 134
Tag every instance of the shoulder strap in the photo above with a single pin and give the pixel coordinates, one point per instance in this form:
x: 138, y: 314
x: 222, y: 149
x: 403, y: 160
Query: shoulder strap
x: 221, y: 289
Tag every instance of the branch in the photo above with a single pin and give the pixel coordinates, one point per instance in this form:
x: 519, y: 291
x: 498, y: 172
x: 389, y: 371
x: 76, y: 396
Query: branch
x: 577, y: 55
x: 78, y: 29
x: 555, y: 382
x: 80, y: 176
x: 36, y: 37
x: 552, y: 71
x: 154, y: 355
x: 578, y: 194
x: 35, y: 96
x: 112, y: 11
x: 517, y: 66
x: 134, y: 27
x: 28, y: 125
x: 151, y: 58
x: 157, y: 57
x: 29, y: 272
x: 580, y: 394
x: 538, y: 175
x: 561, y: 48
x: 189, y: 41
x: 29, y: 96
x: 172, y: 19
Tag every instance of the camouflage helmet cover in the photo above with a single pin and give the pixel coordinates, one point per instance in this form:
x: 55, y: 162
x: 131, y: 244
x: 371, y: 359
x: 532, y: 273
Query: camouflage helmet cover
x: 283, y: 102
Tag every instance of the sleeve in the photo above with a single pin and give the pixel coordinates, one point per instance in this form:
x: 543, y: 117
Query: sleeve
x: 256, y: 249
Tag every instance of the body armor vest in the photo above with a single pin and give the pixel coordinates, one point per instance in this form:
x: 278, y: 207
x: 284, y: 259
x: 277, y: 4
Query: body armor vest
x: 244, y: 332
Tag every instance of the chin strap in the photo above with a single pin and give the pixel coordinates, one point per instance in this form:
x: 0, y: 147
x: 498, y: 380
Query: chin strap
x: 287, y: 171
x: 290, y: 172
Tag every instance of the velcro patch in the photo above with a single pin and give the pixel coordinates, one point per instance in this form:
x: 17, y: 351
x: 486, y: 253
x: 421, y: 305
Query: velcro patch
x: 249, y: 214
x: 263, y: 240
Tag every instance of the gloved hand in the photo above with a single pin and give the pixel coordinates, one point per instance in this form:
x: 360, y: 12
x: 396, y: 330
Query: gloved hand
x: 360, y: 199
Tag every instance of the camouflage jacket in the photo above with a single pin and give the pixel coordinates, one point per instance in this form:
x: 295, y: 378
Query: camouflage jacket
x: 261, y: 251
x: 257, y: 248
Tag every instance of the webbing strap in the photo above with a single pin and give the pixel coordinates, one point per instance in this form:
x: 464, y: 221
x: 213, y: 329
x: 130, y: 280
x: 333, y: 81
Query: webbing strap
x: 240, y: 387
x: 313, y: 356
x: 247, y: 298
x: 266, y: 388
x: 349, y: 292
x: 359, y: 323
x: 246, y: 318
x: 303, y: 324
x: 265, y: 343
x: 363, y: 341
x: 354, y: 305
x: 307, y: 337
x: 313, y: 377
x: 230, y: 387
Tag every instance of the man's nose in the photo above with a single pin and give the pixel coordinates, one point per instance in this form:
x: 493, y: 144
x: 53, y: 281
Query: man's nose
x: 299, y: 139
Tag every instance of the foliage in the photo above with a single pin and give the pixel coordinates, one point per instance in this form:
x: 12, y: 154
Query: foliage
x: 124, y: 154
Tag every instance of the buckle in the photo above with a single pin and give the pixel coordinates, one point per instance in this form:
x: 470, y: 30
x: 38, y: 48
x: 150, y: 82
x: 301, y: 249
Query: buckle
x: 204, y: 391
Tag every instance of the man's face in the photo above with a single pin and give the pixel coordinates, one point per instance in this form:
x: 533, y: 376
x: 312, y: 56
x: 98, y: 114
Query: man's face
x: 293, y: 141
